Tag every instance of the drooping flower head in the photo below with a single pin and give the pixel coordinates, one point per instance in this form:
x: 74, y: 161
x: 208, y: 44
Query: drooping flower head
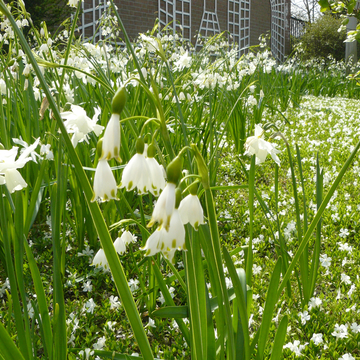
x: 112, y: 137
x: 165, y: 205
x: 136, y: 172
x: 156, y: 171
x: 168, y: 240
x: 190, y: 209
x: 104, y: 182
x: 256, y: 145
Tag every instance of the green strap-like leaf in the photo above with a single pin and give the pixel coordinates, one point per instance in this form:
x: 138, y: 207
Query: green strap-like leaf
x: 8, y: 349
x: 271, y: 300
x: 279, y: 339
x: 172, y: 312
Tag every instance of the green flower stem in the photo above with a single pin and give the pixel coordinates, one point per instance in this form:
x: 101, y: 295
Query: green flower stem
x: 304, y: 270
x: 69, y: 43
x: 106, y: 241
x: 315, y: 221
x: 216, y: 263
x: 4, y: 221
x: 249, y: 259
x: 197, y: 334
x: 49, y: 64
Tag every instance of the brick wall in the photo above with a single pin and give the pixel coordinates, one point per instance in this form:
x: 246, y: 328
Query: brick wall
x: 139, y: 16
x: 260, y: 19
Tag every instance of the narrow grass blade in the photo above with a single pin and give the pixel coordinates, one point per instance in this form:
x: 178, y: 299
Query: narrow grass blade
x: 8, y: 350
x: 169, y: 301
x: 41, y: 299
x: 277, y: 348
x: 271, y: 300
x: 316, y: 252
x: 316, y: 219
x: 241, y: 301
x: 172, y: 312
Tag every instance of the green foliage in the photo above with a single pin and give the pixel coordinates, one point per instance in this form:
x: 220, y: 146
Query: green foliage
x: 54, y: 12
x: 322, y: 39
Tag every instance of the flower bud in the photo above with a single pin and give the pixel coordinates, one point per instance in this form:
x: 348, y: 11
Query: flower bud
x: 140, y: 145
x: 173, y: 170
x: 151, y: 151
x: 99, y: 148
x: 118, y: 101
x: 177, y: 197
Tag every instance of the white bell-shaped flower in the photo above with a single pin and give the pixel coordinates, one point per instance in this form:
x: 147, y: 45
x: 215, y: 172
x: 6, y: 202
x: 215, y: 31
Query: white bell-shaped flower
x: 14, y: 181
x: 156, y: 172
x: 152, y: 243
x: 174, y: 239
x: 120, y: 246
x: 164, y: 207
x: 191, y: 211
x: 136, y: 172
x: 128, y: 237
x: 111, y: 139
x: 167, y: 241
x: 104, y: 182
x: 256, y: 145
x: 100, y: 260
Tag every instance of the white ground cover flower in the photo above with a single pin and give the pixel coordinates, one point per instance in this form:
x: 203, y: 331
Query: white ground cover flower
x: 340, y: 331
x: 346, y: 357
x: 314, y: 302
x: 80, y: 125
x: 317, y: 339
x: 304, y: 317
x: 104, y: 182
x: 9, y: 174
x: 89, y: 306
x: 256, y: 145
x: 114, y: 302
x: 295, y: 347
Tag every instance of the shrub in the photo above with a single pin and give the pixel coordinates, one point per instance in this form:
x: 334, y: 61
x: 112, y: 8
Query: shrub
x: 322, y: 39
x: 54, y: 12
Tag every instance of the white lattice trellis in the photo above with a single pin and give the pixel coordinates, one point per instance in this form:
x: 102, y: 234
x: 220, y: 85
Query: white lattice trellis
x: 178, y: 13
x: 209, y: 25
x: 279, y: 24
x: 239, y: 23
x: 92, y: 11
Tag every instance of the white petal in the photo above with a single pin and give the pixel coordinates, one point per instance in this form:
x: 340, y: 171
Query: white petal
x: 156, y: 176
x: 191, y: 211
x: 104, y: 182
x: 111, y: 139
x: 14, y: 181
x: 120, y: 246
x: 100, y: 259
